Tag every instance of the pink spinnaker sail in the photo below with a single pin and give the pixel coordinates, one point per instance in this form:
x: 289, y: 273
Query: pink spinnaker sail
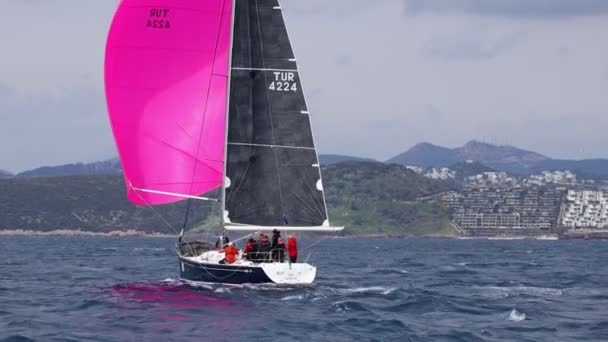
x: 166, y: 76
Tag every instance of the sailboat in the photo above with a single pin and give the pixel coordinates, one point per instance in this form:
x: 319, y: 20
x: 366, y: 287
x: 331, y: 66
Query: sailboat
x: 205, y: 95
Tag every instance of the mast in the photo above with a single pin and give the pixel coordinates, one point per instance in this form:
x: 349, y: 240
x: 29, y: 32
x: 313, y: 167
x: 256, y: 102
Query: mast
x: 227, y: 119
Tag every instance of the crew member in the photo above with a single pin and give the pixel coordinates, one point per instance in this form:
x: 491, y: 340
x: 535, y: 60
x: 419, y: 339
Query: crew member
x: 292, y: 248
x: 231, y: 253
x: 222, y: 242
x: 276, y: 235
x: 264, y: 247
x: 250, y: 249
x: 280, y: 250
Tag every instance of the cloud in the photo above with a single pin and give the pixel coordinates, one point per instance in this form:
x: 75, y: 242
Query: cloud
x: 472, y: 47
x: 376, y: 82
x: 510, y: 8
x: 46, y: 128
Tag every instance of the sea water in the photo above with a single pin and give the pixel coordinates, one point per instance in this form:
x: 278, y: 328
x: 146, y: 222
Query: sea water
x: 128, y: 289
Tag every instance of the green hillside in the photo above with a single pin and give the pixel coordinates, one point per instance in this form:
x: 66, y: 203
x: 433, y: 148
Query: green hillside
x: 366, y: 197
x: 376, y: 198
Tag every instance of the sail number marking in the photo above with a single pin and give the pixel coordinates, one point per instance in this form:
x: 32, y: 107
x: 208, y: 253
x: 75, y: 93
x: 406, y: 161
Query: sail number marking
x: 283, y: 81
x: 158, y: 18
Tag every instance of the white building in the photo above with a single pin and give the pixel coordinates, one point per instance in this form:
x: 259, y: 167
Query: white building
x: 586, y: 209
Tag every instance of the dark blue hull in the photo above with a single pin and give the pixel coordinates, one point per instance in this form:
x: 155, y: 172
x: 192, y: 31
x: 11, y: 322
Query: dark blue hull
x: 227, y: 274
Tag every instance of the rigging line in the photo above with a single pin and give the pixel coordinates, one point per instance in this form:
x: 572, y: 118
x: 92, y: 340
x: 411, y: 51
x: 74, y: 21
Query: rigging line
x: 197, y: 160
x: 165, y: 221
x: 313, y: 190
x: 304, y: 204
x: 241, y: 180
x: 156, y: 212
x: 200, y: 133
x: 276, y: 158
x: 186, y: 216
x: 317, y: 242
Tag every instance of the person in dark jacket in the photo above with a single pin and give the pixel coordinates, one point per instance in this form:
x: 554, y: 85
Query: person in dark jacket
x: 264, y: 247
x: 222, y: 242
x: 276, y: 235
x: 280, y: 250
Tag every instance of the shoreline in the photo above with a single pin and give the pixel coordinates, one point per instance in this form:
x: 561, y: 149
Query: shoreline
x: 78, y: 232
x: 140, y: 233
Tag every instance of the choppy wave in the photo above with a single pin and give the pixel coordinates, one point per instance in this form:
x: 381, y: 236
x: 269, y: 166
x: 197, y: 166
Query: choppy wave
x: 70, y: 288
x: 506, y: 291
x: 372, y: 289
x: 154, y: 249
x: 17, y: 338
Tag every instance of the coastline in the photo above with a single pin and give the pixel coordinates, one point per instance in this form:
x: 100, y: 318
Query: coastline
x: 139, y: 233
x: 78, y: 232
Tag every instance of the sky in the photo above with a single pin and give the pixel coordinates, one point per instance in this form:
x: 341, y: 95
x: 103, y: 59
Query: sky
x: 379, y: 76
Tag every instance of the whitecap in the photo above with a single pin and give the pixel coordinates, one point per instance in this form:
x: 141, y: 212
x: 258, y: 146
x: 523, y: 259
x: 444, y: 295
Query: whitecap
x: 222, y: 290
x: 377, y: 289
x: 197, y: 284
x: 516, y: 316
x: 506, y: 291
x: 531, y: 290
x: 298, y: 297
x: 171, y: 281
x: 267, y: 287
x: 389, y: 291
x: 461, y: 263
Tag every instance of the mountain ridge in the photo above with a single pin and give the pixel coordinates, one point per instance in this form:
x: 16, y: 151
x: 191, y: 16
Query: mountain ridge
x: 104, y: 167
x: 426, y: 155
x: 113, y: 166
x: 499, y: 157
x: 5, y: 174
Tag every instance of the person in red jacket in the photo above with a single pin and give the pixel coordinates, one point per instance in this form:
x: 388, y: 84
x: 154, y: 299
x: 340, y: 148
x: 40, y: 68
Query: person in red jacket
x: 231, y: 253
x: 292, y: 248
x: 251, y: 249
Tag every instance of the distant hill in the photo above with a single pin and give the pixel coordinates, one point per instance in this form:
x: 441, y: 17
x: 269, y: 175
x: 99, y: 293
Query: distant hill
x: 366, y: 197
x: 87, y: 202
x: 328, y: 159
x: 106, y: 167
x: 112, y: 166
x: 427, y: 155
x: 372, y: 197
x: 5, y: 174
x: 502, y: 158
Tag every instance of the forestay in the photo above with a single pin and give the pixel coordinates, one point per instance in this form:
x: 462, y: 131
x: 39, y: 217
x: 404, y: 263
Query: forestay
x: 273, y: 173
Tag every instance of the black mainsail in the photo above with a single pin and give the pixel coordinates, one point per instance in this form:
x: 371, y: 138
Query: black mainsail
x: 273, y: 175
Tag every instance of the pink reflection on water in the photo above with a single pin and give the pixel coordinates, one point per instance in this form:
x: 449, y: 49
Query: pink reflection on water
x: 178, y: 296
x: 174, y: 306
